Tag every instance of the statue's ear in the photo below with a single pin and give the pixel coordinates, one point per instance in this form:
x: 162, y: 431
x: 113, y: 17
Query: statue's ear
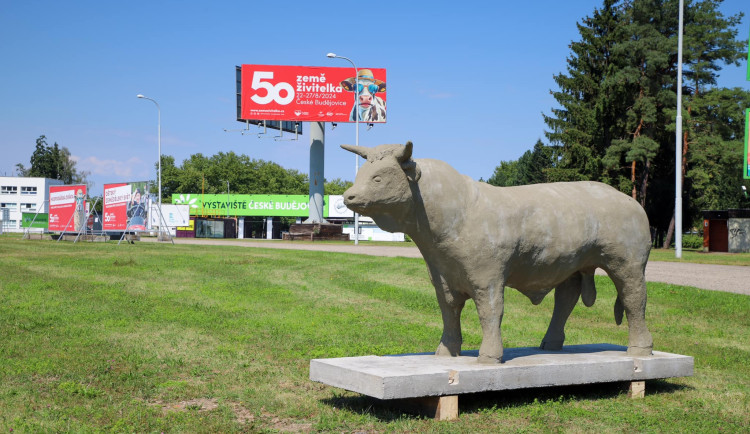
x: 404, y: 154
x: 413, y: 173
x: 412, y: 170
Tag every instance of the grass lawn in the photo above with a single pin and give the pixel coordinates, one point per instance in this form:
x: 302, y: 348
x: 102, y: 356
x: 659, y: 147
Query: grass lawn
x: 193, y: 338
x: 698, y: 257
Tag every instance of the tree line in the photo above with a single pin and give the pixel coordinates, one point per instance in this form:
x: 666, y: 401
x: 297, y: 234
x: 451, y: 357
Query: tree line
x: 198, y: 173
x: 245, y: 175
x: 615, y: 122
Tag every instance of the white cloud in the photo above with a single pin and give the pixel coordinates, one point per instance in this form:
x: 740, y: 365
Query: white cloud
x: 119, y: 168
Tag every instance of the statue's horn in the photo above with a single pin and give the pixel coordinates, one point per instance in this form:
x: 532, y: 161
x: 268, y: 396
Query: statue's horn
x: 359, y: 150
x: 405, y: 155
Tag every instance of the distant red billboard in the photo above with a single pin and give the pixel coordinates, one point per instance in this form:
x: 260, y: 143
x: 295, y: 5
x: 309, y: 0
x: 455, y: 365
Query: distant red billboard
x: 115, y: 206
x: 63, y: 202
x: 312, y: 94
x: 125, y: 206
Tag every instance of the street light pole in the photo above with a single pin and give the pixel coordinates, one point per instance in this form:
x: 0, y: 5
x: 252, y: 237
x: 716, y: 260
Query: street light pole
x: 158, y: 109
x: 678, y: 147
x: 227, y: 198
x: 356, y: 141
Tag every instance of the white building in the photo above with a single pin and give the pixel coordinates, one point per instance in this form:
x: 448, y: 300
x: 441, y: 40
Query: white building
x: 19, y: 195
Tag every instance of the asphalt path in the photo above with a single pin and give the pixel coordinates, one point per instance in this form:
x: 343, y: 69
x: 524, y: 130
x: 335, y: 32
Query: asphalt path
x: 728, y: 278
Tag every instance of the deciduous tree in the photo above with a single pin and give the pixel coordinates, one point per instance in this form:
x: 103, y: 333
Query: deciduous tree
x: 55, y: 162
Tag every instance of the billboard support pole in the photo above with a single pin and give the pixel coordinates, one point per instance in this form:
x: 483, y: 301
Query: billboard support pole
x: 317, y: 167
x: 356, y: 123
x: 66, y: 227
x: 163, y: 223
x: 85, y: 224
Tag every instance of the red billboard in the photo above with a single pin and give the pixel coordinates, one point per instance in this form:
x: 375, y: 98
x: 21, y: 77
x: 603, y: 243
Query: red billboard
x: 312, y: 94
x: 63, y: 202
x: 125, y: 206
x: 115, y: 207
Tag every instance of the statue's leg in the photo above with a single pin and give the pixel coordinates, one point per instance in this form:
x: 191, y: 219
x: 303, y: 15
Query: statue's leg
x: 489, y: 303
x: 631, y: 291
x: 451, y: 304
x: 566, y: 297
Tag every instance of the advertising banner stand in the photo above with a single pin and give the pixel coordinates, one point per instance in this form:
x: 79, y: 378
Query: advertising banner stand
x: 67, y: 225
x: 161, y: 225
x: 26, y: 233
x: 66, y: 203
x: 126, y: 209
x: 84, y: 226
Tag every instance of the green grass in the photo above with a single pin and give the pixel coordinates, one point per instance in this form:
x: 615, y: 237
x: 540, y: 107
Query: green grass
x: 698, y: 257
x: 194, y: 338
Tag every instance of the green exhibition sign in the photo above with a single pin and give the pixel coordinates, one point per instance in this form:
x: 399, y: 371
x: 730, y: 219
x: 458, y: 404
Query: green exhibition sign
x: 261, y: 205
x: 28, y: 220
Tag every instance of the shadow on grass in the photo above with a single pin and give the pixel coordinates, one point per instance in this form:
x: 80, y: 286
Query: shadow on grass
x: 390, y: 410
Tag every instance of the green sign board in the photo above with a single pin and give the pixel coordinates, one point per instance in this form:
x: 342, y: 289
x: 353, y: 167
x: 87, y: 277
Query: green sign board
x: 234, y: 205
x: 34, y: 220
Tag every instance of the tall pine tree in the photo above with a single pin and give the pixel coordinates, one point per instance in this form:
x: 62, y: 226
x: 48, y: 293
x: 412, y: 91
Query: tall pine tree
x: 615, y: 120
x: 584, y: 124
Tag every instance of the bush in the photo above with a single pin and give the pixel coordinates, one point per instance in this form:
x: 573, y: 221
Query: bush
x: 692, y: 241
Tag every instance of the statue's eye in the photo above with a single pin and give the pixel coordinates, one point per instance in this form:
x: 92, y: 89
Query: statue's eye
x: 376, y: 179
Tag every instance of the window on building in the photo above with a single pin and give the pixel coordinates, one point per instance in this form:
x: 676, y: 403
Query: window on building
x: 26, y: 207
x: 9, y: 224
x: 9, y: 205
x: 28, y: 190
x: 8, y: 189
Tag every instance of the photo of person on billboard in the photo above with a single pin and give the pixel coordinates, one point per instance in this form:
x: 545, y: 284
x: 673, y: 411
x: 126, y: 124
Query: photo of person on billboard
x: 137, y: 211
x: 371, y: 106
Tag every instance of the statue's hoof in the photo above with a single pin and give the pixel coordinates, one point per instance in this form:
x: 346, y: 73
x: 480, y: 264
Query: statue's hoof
x: 551, y: 345
x: 489, y: 360
x: 443, y: 350
x: 640, y: 351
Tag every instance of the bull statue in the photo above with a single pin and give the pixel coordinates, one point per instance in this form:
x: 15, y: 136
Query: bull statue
x: 477, y: 239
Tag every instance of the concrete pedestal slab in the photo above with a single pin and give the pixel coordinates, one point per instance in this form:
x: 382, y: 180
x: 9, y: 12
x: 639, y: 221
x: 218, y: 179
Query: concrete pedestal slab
x: 422, y: 375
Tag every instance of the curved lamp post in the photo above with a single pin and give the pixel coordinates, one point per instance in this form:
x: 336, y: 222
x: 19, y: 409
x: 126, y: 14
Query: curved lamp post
x: 158, y: 109
x: 356, y: 122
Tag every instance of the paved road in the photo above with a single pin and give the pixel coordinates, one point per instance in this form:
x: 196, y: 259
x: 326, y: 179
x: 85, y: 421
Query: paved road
x: 729, y: 278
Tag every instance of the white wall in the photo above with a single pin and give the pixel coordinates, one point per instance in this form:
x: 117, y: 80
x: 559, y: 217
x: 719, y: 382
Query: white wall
x: 371, y: 232
x: 20, y: 195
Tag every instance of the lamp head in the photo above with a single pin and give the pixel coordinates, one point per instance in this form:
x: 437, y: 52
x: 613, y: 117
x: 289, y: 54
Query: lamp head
x: 331, y: 55
x: 140, y: 96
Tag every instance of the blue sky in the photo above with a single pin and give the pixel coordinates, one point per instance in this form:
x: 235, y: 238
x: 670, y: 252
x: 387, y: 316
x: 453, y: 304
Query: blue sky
x: 467, y: 82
